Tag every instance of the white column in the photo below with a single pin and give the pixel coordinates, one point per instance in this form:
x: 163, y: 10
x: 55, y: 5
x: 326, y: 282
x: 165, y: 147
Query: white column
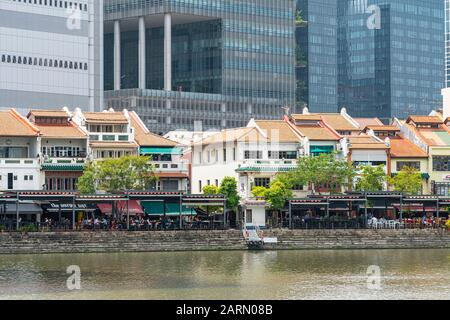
x: 117, y: 55
x: 142, y: 73
x: 167, y: 52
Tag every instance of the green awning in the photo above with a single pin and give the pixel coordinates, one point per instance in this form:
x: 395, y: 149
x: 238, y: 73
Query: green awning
x: 161, y: 150
x: 266, y: 169
x: 62, y: 167
x: 156, y: 208
x: 321, y: 149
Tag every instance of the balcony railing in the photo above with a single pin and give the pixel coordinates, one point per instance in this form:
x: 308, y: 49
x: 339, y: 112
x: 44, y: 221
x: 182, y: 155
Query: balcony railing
x: 18, y: 162
x: 162, y: 166
x: 110, y: 137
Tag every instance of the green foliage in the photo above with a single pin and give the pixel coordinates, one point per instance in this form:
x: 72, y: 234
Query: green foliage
x: 277, y: 194
x: 408, y: 180
x: 371, y: 179
x: 210, y: 190
x: 299, y: 19
x: 28, y: 228
x: 259, y: 192
x: 279, y: 191
x: 228, y: 188
x: 321, y: 170
x: 116, y: 175
x: 447, y: 224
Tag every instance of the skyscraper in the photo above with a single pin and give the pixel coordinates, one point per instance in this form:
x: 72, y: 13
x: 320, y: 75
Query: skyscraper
x: 51, y: 54
x: 390, y: 55
x: 447, y: 43
x: 316, y: 65
x: 220, y: 62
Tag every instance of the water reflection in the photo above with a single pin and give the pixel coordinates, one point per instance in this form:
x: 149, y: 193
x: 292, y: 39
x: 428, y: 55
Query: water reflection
x: 406, y: 274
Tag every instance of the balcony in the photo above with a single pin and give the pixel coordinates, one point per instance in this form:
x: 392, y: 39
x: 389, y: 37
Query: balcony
x: 267, y: 166
x: 18, y: 162
x: 163, y: 166
x: 110, y: 137
x: 63, y: 164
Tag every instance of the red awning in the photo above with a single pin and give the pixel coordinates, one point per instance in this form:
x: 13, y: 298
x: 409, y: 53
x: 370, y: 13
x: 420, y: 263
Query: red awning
x: 133, y: 206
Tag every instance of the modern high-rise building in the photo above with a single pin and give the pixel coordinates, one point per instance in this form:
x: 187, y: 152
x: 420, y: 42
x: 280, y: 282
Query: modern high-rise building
x: 218, y: 62
x: 447, y: 43
x: 51, y: 54
x: 390, y: 55
x: 316, y: 63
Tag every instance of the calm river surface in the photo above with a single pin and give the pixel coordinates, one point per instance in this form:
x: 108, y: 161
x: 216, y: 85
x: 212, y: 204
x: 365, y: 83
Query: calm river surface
x: 406, y: 274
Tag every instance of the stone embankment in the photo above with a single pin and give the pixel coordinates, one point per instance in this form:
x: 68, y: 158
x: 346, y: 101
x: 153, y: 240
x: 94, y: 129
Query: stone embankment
x: 87, y: 242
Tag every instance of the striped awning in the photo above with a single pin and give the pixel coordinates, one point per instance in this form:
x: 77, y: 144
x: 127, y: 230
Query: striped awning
x: 161, y: 150
x: 62, y: 167
x: 266, y: 169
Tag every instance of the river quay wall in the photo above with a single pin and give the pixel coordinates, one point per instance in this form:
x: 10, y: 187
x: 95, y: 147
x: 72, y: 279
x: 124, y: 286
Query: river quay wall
x: 90, y: 242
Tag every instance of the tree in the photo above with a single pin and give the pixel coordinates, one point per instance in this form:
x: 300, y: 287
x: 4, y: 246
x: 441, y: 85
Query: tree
x: 259, y: 192
x: 324, y: 169
x: 228, y: 188
x: 277, y: 194
x: 408, y: 180
x: 211, y: 190
x: 117, y: 175
x: 371, y: 179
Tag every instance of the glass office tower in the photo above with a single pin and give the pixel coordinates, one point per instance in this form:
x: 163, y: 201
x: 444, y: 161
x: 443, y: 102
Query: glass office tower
x: 390, y: 57
x: 447, y: 43
x: 221, y: 62
x: 316, y: 61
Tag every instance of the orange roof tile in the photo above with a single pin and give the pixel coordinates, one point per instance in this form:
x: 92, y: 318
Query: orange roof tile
x: 229, y: 135
x: 146, y: 138
x: 13, y: 124
x: 105, y: 117
x: 278, y: 130
x: 308, y: 117
x: 364, y: 122
x: 403, y: 148
x: 338, y: 122
x: 382, y: 128
x: 318, y: 133
x: 424, y: 119
x: 61, y: 131
x: 49, y: 113
x: 365, y: 142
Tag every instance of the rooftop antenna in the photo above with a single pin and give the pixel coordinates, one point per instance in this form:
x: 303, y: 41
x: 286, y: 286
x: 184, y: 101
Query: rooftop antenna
x: 286, y: 110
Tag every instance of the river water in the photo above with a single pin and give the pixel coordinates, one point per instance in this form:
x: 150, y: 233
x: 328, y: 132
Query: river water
x: 404, y: 274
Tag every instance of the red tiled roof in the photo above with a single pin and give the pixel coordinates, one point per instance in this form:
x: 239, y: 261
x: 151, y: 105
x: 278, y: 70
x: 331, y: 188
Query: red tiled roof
x: 403, y: 148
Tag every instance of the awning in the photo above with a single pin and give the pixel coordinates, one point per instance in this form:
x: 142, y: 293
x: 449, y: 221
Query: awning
x: 65, y: 207
x: 266, y: 169
x: 62, y: 167
x: 24, y: 208
x: 154, y: 150
x: 134, y: 208
x: 156, y: 208
x: 321, y: 149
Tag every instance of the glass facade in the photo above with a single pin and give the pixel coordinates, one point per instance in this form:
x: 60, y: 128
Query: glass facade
x: 239, y: 53
x: 316, y: 67
x: 390, y: 57
x: 447, y: 43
